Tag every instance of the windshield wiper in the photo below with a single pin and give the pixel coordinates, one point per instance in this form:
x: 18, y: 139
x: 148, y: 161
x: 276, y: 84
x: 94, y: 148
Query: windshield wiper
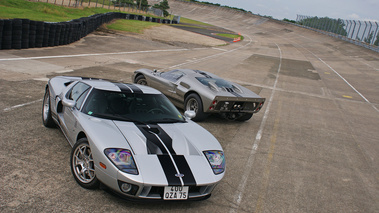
x: 117, y: 117
x: 166, y: 120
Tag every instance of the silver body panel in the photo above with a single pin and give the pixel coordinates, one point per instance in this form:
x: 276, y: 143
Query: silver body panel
x: 188, y: 140
x: 177, y: 89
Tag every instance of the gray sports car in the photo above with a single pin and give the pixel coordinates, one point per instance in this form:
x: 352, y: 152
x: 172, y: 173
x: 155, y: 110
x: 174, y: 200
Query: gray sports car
x: 202, y: 92
x: 132, y: 139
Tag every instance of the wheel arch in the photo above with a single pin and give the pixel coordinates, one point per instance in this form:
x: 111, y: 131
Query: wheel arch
x: 81, y: 135
x: 189, y: 93
x: 137, y: 75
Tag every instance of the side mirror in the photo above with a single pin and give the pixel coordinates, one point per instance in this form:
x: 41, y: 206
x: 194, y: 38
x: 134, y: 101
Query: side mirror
x: 190, y: 114
x: 68, y: 103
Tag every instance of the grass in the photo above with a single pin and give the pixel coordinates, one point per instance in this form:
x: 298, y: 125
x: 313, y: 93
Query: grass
x: 190, y: 21
x: 40, y: 11
x: 230, y: 35
x: 134, y: 26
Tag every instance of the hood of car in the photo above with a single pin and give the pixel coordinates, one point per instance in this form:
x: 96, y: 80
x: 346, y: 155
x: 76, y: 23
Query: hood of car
x: 175, y: 138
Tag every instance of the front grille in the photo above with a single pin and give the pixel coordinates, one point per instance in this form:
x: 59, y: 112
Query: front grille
x: 194, y: 191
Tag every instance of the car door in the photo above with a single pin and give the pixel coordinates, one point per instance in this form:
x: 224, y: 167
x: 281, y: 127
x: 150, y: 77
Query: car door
x: 169, y: 82
x: 77, y: 94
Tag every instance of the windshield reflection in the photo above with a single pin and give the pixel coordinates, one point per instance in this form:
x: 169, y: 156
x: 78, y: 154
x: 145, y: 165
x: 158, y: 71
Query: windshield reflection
x: 144, y: 108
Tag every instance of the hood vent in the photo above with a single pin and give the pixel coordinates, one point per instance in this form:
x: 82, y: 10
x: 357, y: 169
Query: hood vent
x: 228, y: 89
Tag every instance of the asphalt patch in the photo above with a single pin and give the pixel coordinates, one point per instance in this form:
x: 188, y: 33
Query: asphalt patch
x: 210, y: 31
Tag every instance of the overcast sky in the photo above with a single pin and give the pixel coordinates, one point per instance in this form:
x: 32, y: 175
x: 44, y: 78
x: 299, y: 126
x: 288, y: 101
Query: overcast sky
x: 364, y: 10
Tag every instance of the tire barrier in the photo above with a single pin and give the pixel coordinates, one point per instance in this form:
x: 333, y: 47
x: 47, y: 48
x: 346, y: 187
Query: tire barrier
x: 25, y: 33
x: 7, y: 35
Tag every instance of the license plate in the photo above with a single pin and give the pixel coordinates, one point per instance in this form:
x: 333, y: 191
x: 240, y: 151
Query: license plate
x: 175, y: 193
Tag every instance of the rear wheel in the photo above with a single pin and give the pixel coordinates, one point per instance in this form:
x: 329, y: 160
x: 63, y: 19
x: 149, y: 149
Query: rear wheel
x: 83, y: 165
x: 140, y: 80
x: 194, y: 103
x: 245, y: 117
x: 46, y: 110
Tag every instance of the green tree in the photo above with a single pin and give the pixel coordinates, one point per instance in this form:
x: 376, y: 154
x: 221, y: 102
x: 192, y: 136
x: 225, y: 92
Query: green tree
x: 369, y: 38
x: 142, y: 3
x: 377, y: 40
x: 163, y: 5
x: 326, y: 24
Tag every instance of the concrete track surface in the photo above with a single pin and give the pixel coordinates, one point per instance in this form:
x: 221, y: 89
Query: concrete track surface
x: 313, y: 147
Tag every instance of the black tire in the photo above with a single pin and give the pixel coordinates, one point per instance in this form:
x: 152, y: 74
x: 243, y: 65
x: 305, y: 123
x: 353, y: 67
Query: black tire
x: 194, y: 103
x: 140, y: 80
x: 83, y: 165
x: 46, y: 111
x: 245, y: 117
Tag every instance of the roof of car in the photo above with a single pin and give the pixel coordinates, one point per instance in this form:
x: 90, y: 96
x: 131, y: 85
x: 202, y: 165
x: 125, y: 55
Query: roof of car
x: 197, y: 73
x: 109, y: 85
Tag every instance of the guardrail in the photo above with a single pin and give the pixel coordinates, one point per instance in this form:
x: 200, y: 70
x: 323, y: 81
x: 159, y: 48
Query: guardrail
x: 361, y: 33
x: 25, y: 33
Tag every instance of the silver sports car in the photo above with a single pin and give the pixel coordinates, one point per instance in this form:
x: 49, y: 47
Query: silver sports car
x: 132, y: 139
x: 202, y: 92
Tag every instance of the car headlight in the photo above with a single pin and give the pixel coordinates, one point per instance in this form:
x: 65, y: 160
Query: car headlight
x: 217, y: 161
x: 122, y: 159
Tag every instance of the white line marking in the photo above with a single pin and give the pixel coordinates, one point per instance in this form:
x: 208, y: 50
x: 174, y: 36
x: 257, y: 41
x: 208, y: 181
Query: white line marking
x: 21, y: 105
x: 249, y: 164
x: 331, y: 68
x: 219, y: 49
x: 351, y: 86
x: 94, y: 54
x: 118, y: 53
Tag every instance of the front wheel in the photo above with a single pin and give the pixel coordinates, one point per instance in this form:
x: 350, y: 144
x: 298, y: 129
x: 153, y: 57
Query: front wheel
x: 194, y: 103
x: 141, y: 80
x: 46, y: 110
x: 83, y: 165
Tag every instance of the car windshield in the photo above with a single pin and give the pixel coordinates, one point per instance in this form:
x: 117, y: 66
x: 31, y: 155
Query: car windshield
x: 134, y: 107
x: 218, y: 81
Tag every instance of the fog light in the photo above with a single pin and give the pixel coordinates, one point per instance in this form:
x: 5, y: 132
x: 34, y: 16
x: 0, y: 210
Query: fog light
x: 126, y: 187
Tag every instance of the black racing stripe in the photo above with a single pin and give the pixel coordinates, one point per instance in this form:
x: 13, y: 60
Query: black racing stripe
x: 135, y: 89
x: 169, y: 170
x: 154, y: 145
x: 123, y: 87
x: 167, y: 140
x: 181, y: 163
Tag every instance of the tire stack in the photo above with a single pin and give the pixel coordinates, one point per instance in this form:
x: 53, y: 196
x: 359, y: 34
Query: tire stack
x: 32, y: 34
x: 25, y: 33
x: 40, y: 32
x: 51, y: 39
x: 46, y: 34
x: 16, y: 33
x: 1, y: 31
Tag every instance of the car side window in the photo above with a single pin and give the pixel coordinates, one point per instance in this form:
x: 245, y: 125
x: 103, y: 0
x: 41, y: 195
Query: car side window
x: 80, y: 100
x: 78, y: 93
x: 173, y: 76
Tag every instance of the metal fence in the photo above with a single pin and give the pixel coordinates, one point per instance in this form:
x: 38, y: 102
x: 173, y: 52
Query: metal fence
x: 362, y: 33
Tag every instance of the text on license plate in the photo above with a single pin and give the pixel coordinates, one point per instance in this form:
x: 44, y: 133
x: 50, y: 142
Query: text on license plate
x: 175, y: 193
